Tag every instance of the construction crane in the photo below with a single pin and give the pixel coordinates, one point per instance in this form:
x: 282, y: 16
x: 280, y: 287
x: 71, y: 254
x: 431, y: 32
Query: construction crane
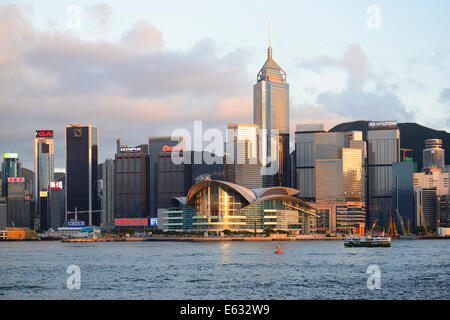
x: 85, y: 211
x: 373, y: 226
x: 392, y: 229
x: 424, y: 223
x: 404, y: 152
x: 399, y: 217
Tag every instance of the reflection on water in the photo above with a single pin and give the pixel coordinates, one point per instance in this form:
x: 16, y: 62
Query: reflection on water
x: 410, y: 269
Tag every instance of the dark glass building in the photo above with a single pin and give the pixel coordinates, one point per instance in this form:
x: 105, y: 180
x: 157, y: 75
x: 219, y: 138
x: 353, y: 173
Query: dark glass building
x: 383, y: 149
x: 155, y: 146
x: 10, y: 168
x: 132, y: 183
x: 81, y: 173
x: 403, y: 194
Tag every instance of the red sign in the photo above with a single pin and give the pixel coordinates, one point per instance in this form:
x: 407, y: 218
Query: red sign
x: 27, y: 198
x: 175, y: 148
x: 56, y: 185
x: 16, y: 179
x: 44, y: 133
x: 131, y: 222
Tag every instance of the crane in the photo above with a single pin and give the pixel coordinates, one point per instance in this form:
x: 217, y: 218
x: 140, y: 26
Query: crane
x: 373, y: 226
x: 399, y: 217
x: 85, y: 211
x: 424, y: 223
x: 392, y: 229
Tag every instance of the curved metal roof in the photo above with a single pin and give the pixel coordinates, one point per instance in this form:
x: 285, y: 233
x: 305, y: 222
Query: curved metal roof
x: 277, y: 196
x: 247, y: 194
x: 251, y: 195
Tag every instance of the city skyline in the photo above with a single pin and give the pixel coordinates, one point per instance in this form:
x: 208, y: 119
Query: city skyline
x: 51, y: 60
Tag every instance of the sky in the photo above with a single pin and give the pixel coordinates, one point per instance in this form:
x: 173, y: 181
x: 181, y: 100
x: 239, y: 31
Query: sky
x: 136, y: 69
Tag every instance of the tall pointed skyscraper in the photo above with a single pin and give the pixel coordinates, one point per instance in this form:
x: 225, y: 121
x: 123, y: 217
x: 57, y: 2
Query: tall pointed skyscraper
x: 271, y: 112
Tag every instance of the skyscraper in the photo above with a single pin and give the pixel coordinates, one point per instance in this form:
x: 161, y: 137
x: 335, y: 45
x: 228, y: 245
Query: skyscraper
x: 383, y: 148
x: 10, y: 169
x: 81, y: 172
x: 242, y: 165
x: 43, y: 170
x: 271, y: 113
x: 155, y: 146
x: 433, y: 155
x: 131, y: 183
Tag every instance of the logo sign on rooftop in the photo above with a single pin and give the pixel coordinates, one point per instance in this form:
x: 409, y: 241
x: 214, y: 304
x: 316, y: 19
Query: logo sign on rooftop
x: 173, y: 148
x: 56, y: 185
x: 133, y: 222
x: 43, y: 194
x: 11, y: 155
x: 75, y: 224
x: 44, y: 133
x: 130, y: 149
x: 16, y: 179
x: 382, y: 125
x: 154, y: 222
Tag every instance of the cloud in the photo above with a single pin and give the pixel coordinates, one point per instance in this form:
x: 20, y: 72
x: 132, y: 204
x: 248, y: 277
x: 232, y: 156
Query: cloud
x: 444, y: 96
x: 131, y: 88
x: 366, y: 94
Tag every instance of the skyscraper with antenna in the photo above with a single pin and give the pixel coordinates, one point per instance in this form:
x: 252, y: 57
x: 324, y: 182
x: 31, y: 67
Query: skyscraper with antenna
x: 271, y: 113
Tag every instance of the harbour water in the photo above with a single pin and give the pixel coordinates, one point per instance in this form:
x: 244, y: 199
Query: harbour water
x: 409, y: 269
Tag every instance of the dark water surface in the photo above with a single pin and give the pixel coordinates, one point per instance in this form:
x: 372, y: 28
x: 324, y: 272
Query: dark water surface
x: 410, y: 269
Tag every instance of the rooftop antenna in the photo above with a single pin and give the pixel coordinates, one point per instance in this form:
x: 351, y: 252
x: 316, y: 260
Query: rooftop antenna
x: 269, y: 50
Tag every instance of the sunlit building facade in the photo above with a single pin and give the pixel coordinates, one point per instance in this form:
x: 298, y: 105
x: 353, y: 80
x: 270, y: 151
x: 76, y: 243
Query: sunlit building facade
x: 214, y: 206
x: 271, y: 114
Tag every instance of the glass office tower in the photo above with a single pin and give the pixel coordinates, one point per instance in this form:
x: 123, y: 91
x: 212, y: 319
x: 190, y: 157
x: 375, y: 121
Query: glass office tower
x: 271, y: 112
x: 10, y: 168
x: 44, y: 147
x: 81, y: 172
x: 383, y: 148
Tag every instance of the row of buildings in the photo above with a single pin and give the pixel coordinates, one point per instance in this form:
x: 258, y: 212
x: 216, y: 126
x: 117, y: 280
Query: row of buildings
x: 331, y: 182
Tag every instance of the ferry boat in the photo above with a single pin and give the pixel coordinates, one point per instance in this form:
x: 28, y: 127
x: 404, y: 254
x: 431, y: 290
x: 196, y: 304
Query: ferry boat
x: 367, y: 241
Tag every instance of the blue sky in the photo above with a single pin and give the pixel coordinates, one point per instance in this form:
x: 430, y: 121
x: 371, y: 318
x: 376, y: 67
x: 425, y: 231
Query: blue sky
x: 338, y: 69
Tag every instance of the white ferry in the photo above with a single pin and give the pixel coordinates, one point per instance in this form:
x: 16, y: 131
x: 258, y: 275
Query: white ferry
x: 367, y: 241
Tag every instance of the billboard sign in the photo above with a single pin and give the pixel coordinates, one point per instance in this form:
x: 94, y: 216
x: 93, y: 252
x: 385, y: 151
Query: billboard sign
x: 44, y: 133
x: 56, y: 185
x: 173, y: 148
x: 10, y: 155
x: 131, y: 222
x: 382, y: 125
x: 43, y: 194
x: 75, y: 224
x: 154, y: 222
x: 16, y: 179
x: 130, y: 149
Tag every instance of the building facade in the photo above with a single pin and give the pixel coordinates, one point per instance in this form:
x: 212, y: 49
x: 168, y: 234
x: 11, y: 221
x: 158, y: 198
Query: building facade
x: 82, y: 173
x: 155, y: 146
x: 242, y: 164
x: 10, y: 169
x: 131, y: 183
x: 383, y: 149
x: 433, y: 155
x: 271, y: 114
x: 403, y: 195
x: 214, y: 206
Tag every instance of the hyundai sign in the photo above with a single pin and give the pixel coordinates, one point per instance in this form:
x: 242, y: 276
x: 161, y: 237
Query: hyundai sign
x: 382, y: 125
x: 131, y: 222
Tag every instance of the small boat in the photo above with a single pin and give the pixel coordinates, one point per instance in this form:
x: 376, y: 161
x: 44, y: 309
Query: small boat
x: 367, y: 241
x: 279, y: 249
